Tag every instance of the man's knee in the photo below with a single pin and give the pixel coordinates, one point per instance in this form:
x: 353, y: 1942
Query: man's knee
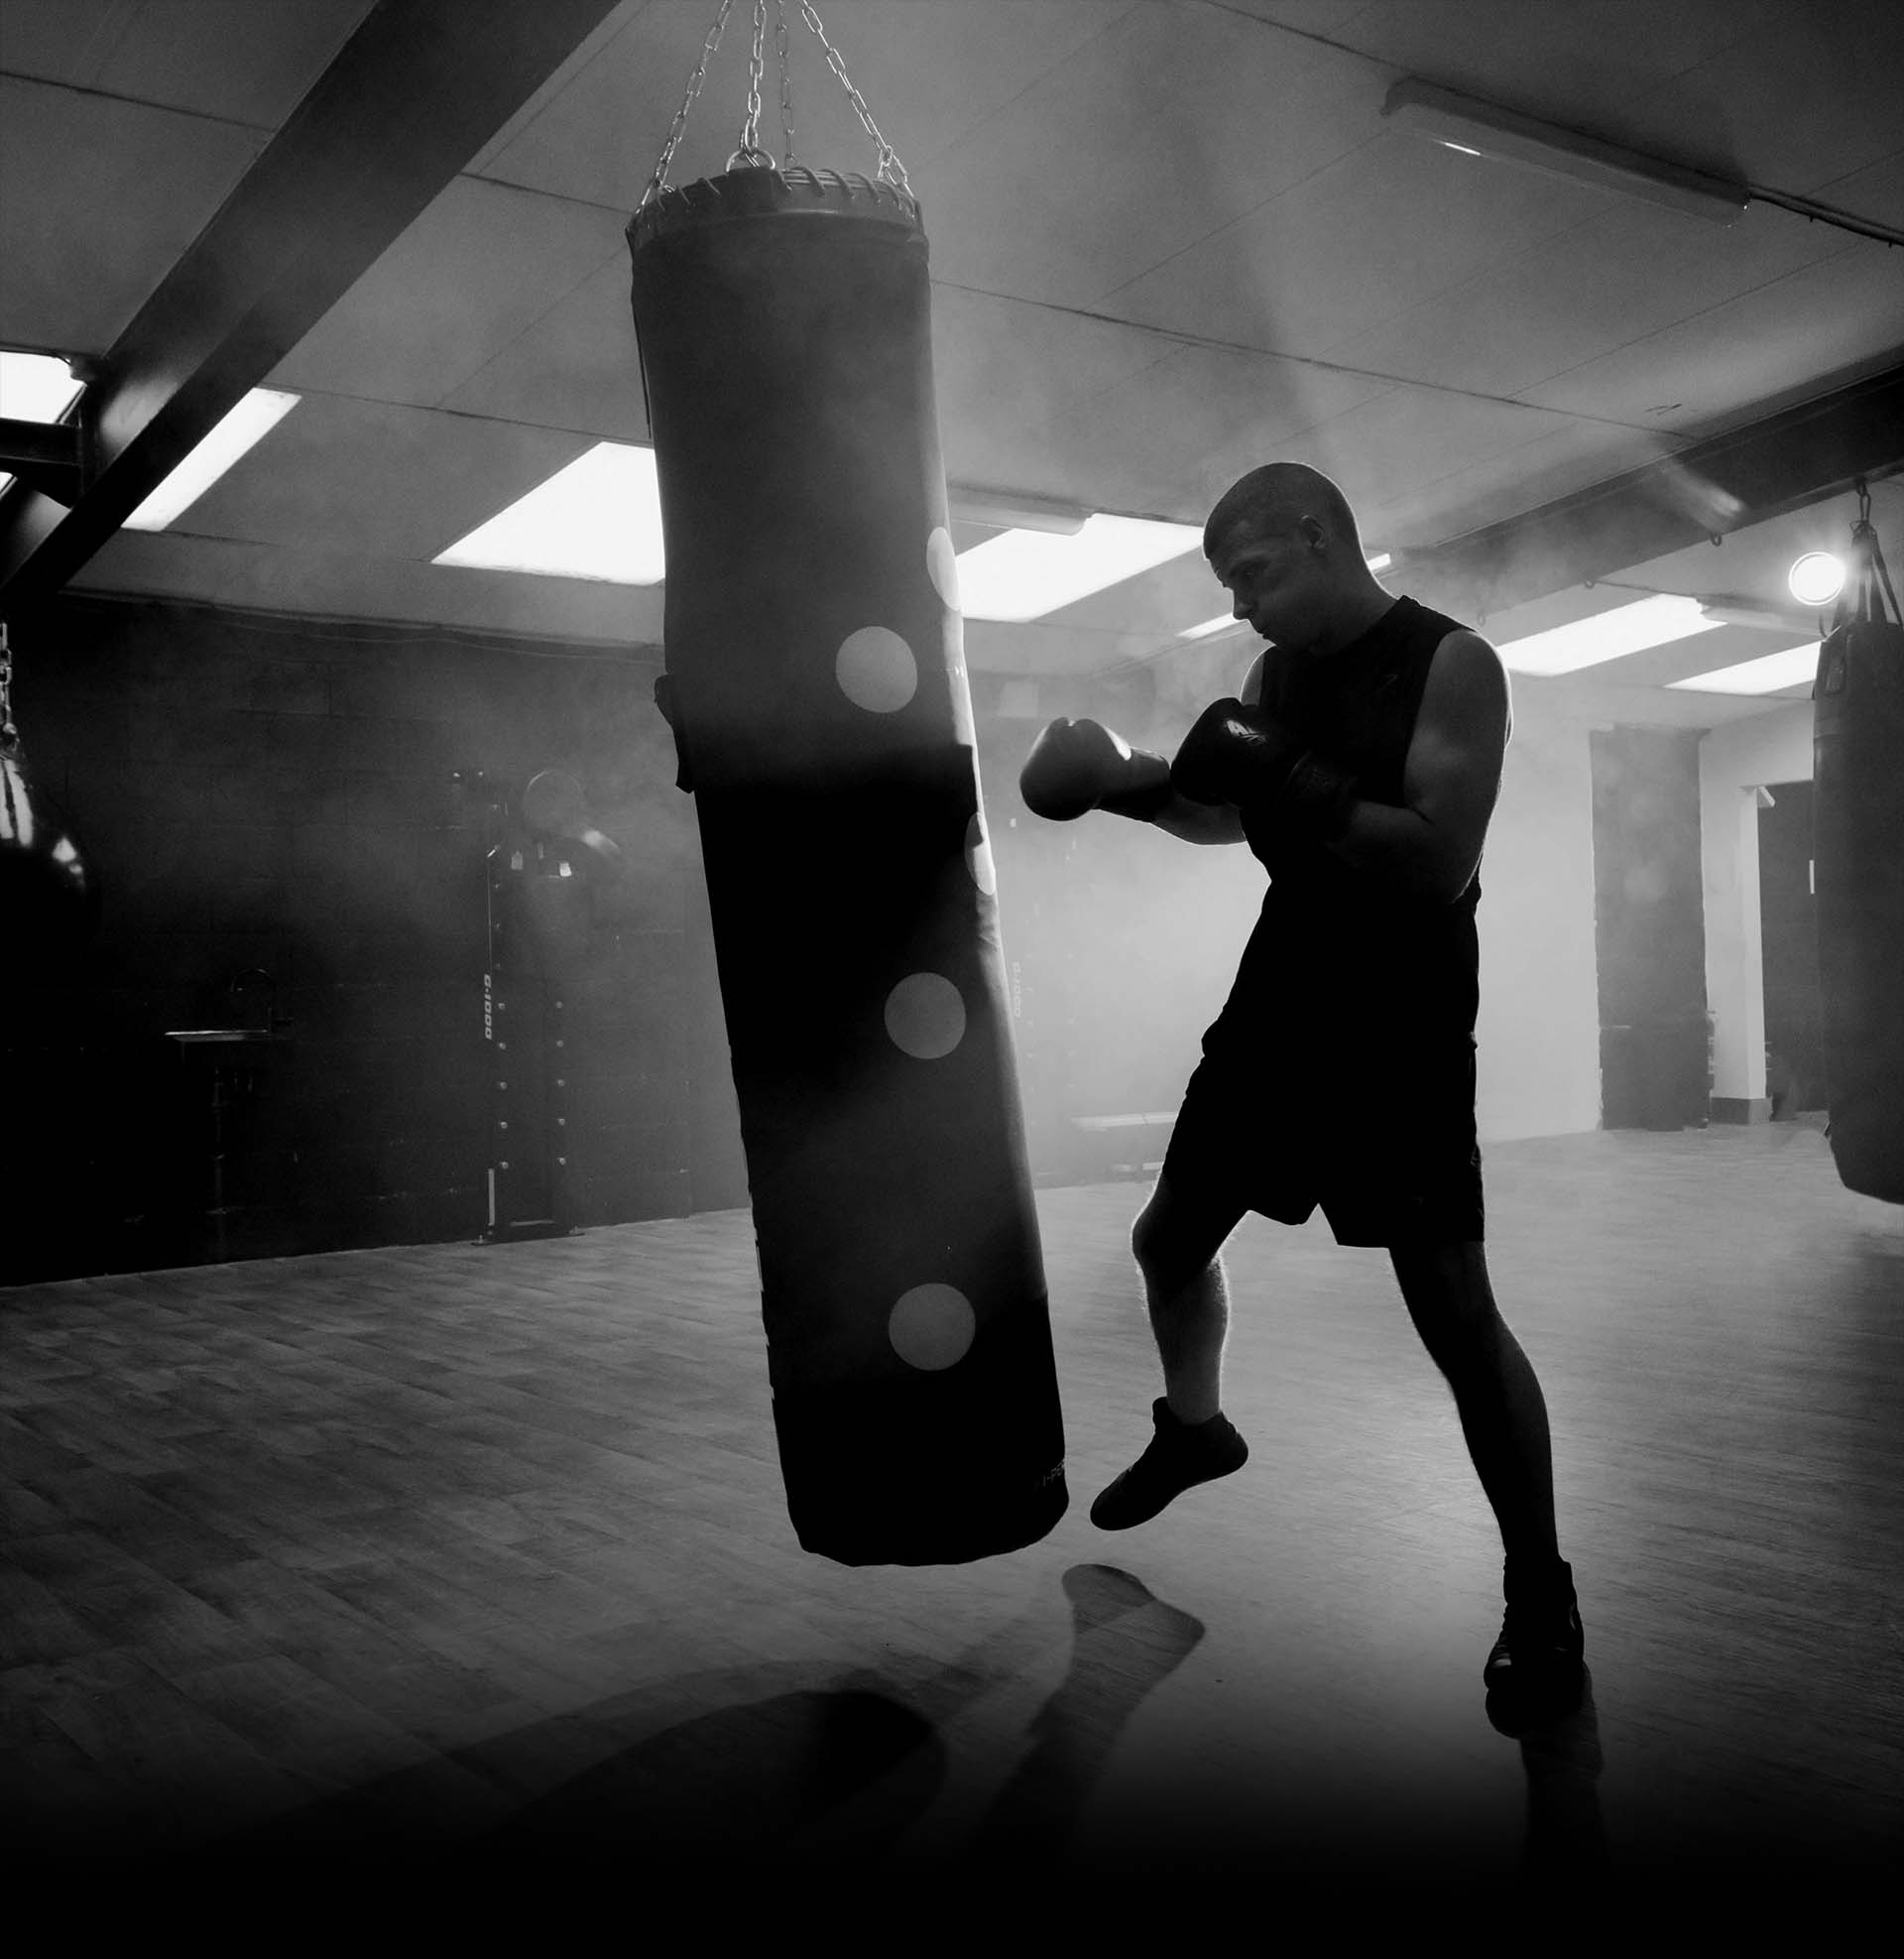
x: 1175, y: 1238
x: 1449, y: 1298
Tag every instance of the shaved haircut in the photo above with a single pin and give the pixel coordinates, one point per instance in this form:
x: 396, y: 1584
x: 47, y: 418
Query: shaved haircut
x: 1272, y: 500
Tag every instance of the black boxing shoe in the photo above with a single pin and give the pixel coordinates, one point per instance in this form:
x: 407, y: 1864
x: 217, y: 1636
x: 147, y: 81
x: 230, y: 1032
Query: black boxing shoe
x: 1180, y: 1456
x: 1538, y: 1660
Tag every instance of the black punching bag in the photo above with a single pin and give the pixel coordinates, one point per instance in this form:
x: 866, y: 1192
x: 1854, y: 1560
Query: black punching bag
x: 49, y: 891
x: 1857, y: 805
x: 816, y: 687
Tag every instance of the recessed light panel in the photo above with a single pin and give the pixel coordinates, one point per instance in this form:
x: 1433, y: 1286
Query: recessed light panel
x: 1656, y: 621
x: 1772, y: 672
x: 256, y: 415
x: 600, y: 517
x: 1024, y: 574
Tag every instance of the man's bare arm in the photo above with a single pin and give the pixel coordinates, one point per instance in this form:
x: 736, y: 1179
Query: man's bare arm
x: 1449, y: 780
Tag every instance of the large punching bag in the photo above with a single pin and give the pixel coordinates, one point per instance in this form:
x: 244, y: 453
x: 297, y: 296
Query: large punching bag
x: 816, y: 687
x: 1857, y: 804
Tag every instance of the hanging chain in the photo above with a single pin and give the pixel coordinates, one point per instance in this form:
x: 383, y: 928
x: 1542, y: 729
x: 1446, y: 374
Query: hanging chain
x: 750, y: 151
x: 887, y: 155
x: 1870, y: 573
x: 786, y: 91
x: 9, y: 734
x: 889, y: 168
x: 658, y: 181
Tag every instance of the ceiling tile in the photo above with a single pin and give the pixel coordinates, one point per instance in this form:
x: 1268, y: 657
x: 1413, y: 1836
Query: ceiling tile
x: 481, y: 265
x: 1392, y: 447
x: 991, y: 406
x: 100, y: 199
x: 1202, y: 410
x: 375, y: 477
x: 1373, y: 234
x: 1811, y: 94
x: 1174, y: 123
x: 576, y: 367
x: 1568, y: 300
x: 927, y: 71
x: 64, y: 39
x: 231, y: 58
x: 1876, y: 192
x: 1813, y: 322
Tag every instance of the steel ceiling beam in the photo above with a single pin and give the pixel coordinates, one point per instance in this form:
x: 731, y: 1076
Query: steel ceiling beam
x: 415, y: 92
x: 1787, y: 461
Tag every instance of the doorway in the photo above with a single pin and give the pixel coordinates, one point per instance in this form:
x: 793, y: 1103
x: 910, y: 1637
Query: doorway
x: 1788, y: 929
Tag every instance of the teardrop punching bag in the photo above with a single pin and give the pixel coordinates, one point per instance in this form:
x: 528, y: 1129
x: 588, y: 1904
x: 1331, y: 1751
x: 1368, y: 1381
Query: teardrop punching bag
x: 816, y: 687
x: 1858, y: 820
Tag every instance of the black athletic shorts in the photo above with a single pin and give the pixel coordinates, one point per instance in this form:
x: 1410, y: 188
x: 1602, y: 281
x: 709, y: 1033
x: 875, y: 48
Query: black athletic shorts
x: 1384, y: 1144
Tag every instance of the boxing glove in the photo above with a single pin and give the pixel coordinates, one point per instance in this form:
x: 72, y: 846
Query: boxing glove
x: 1241, y: 755
x: 1078, y: 765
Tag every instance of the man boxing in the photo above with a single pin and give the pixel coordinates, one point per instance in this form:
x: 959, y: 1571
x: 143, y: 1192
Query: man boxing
x: 1361, y: 764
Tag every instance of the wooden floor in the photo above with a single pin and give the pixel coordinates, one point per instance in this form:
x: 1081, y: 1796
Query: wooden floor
x: 475, y: 1562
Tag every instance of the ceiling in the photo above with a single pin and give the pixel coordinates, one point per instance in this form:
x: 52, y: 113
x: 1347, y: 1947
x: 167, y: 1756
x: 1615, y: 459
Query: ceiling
x: 1170, y: 239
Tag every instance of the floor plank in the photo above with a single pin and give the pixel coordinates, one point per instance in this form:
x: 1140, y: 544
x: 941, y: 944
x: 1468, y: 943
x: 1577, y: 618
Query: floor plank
x: 481, y: 1554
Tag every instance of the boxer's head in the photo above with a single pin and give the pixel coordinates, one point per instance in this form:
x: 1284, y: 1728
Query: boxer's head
x: 1283, y: 541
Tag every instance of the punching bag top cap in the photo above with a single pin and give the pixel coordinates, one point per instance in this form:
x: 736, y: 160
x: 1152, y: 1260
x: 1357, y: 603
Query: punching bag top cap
x: 757, y: 192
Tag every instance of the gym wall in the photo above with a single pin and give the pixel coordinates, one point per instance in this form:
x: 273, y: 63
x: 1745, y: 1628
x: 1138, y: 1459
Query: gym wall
x: 261, y: 791
x: 1649, y: 908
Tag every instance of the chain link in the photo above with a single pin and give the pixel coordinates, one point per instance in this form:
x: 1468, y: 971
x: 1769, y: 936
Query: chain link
x: 749, y: 150
x: 787, y: 89
x: 887, y: 155
x: 658, y: 181
x: 889, y: 167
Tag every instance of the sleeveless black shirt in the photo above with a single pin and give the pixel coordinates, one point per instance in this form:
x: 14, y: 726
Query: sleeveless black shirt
x: 1390, y: 975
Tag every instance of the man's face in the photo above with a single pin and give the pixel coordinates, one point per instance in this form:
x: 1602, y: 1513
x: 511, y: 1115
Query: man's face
x: 1278, y: 582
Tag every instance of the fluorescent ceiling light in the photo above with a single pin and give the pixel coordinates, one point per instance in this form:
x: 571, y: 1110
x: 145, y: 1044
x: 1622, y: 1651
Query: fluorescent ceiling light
x: 1024, y: 575
x: 34, y: 388
x: 1795, y: 667
x: 1485, y: 129
x: 260, y: 411
x: 1608, y: 636
x: 600, y: 517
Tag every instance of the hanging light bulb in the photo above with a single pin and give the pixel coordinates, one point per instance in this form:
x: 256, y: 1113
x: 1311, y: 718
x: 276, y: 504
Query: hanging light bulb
x: 1817, y: 579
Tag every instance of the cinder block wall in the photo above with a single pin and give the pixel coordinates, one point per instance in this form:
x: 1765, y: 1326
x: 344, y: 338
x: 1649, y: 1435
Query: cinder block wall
x: 263, y: 792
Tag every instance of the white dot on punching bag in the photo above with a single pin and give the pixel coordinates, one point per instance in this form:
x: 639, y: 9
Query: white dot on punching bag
x: 875, y: 669
x: 942, y: 566
x: 932, y: 1326
x: 926, y: 1015
x: 978, y: 858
